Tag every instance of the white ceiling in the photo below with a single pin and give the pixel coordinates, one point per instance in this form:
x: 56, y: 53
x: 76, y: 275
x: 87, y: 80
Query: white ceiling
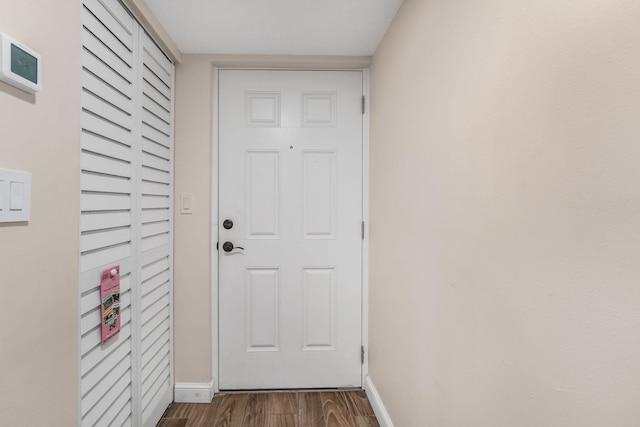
x: 276, y: 27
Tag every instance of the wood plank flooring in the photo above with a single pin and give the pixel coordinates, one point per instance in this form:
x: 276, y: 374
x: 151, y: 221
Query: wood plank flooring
x: 278, y: 409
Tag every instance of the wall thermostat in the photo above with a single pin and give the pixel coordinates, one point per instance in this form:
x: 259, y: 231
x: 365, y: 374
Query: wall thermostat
x: 20, y: 66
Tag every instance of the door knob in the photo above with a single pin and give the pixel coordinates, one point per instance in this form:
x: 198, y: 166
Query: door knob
x: 227, y: 224
x: 228, y: 247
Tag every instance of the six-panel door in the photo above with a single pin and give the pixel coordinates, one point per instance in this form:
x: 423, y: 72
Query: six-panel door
x: 290, y: 180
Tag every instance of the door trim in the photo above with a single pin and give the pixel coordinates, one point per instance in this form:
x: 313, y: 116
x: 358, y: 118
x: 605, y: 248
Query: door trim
x: 215, y: 220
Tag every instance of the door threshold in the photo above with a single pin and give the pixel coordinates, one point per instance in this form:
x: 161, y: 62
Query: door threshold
x: 289, y: 390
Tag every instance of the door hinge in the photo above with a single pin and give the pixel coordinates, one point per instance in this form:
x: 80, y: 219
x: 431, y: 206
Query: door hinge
x: 362, y: 355
x: 362, y: 230
x: 363, y: 104
x: 217, y: 246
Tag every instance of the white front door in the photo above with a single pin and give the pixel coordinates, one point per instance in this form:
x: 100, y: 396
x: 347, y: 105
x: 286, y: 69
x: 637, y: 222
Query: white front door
x: 290, y: 180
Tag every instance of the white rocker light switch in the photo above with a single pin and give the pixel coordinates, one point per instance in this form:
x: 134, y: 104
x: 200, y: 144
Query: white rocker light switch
x: 15, y: 196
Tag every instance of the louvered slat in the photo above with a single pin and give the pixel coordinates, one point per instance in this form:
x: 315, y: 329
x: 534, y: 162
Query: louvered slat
x: 121, y: 28
x: 155, y: 135
x: 154, y: 268
x: 149, y: 243
x: 99, y: 163
x: 118, y: 356
x: 155, y: 175
x: 97, y: 182
x: 107, y: 72
x: 156, y: 351
x: 96, y: 85
x: 155, y: 295
x: 90, y: 202
x: 120, y: 14
x: 102, y: 239
x: 155, y: 90
x: 154, y: 339
x: 155, y: 381
x: 107, y: 256
x: 152, y: 63
x: 99, y: 126
x: 123, y: 418
x: 158, y: 150
x: 155, y: 188
x: 153, y: 215
x: 98, y: 221
x: 160, y: 279
x: 153, y: 309
x: 155, y: 321
x: 155, y: 228
x: 99, y: 144
x: 155, y: 108
x: 92, y: 43
x: 155, y: 122
x: 155, y: 202
x: 121, y: 389
x: 155, y: 369
x: 155, y: 162
x: 106, y: 111
x: 105, y: 34
x: 98, y: 354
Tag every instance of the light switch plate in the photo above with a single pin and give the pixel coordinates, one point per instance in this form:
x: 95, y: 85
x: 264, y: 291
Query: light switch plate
x: 186, y: 205
x: 15, y: 196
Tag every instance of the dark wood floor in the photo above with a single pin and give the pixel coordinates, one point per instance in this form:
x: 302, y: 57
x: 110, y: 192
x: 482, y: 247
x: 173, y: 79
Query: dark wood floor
x: 280, y: 409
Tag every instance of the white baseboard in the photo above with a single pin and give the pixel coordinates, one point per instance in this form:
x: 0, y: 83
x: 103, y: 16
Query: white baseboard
x: 376, y: 403
x: 193, y: 392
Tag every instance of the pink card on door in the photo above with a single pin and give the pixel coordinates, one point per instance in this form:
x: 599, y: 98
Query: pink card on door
x: 110, y: 303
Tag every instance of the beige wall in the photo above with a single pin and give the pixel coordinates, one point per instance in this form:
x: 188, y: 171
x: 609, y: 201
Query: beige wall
x: 39, y: 260
x: 505, y: 214
x: 192, y: 238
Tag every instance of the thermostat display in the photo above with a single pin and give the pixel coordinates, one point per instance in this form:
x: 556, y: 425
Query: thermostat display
x: 23, y: 64
x: 19, y: 66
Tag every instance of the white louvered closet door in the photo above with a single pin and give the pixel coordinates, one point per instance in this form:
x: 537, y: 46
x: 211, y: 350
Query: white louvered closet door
x: 126, y: 218
x: 155, y: 224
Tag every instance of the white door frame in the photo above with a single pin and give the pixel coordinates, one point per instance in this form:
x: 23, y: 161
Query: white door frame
x: 215, y: 220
